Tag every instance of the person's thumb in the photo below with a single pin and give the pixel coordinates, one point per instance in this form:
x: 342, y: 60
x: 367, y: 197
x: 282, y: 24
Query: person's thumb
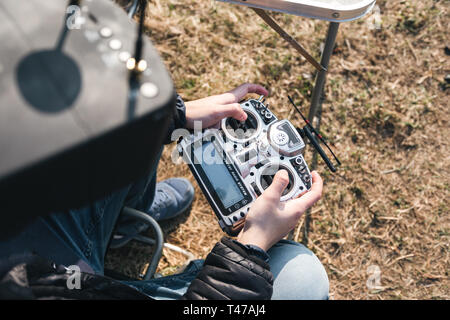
x: 279, y: 183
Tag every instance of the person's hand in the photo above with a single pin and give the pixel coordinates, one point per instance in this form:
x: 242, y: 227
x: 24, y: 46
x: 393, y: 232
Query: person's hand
x: 270, y: 220
x: 212, y: 109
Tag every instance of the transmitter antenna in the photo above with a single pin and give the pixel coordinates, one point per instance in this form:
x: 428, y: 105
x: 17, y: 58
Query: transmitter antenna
x: 308, y: 131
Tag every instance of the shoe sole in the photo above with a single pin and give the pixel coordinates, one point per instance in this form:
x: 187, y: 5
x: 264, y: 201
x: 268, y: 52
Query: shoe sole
x: 169, y: 225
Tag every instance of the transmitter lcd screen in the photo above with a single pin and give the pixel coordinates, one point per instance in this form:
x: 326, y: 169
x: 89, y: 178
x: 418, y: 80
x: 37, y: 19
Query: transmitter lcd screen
x: 219, y: 176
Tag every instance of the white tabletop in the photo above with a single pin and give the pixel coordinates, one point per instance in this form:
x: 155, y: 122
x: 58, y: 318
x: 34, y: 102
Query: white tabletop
x: 330, y: 10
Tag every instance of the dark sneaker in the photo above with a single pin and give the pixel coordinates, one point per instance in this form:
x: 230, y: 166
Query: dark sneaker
x: 173, y: 197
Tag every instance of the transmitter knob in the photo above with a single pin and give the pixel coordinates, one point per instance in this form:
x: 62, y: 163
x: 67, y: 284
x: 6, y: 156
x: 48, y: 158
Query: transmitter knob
x: 298, y: 160
x: 280, y: 138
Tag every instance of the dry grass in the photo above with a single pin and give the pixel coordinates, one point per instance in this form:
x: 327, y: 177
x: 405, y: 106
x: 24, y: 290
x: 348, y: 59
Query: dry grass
x: 386, y: 111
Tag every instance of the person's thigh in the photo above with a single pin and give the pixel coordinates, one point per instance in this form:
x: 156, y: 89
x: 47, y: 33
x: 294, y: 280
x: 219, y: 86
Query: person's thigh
x: 86, y: 231
x: 81, y: 234
x: 298, y: 273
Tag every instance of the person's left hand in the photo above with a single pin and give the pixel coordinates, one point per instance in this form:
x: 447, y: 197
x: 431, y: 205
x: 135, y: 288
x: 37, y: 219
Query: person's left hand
x: 212, y: 109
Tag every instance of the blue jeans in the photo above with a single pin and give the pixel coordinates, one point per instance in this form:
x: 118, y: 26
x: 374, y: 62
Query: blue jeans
x: 81, y: 236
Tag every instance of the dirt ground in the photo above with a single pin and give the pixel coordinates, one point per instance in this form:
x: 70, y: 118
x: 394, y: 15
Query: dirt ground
x: 385, y: 214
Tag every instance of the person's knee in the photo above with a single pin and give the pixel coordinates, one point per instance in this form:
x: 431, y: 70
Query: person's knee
x: 298, y: 273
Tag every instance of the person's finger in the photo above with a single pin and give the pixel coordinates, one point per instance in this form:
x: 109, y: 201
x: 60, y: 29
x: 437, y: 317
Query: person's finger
x: 233, y: 110
x: 300, y: 205
x: 276, y: 188
x: 237, y: 94
x: 301, y: 194
x: 245, y: 88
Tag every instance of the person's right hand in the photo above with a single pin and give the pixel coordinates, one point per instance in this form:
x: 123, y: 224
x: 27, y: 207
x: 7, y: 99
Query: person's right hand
x: 270, y: 220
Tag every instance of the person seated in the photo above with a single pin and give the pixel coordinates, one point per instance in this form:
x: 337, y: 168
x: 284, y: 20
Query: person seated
x: 258, y: 264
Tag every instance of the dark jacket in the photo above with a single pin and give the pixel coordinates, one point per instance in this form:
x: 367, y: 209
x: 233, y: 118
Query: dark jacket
x: 229, y: 272
x: 232, y: 272
x: 178, y: 119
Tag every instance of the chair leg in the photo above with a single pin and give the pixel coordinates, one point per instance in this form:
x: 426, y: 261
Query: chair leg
x: 158, y: 242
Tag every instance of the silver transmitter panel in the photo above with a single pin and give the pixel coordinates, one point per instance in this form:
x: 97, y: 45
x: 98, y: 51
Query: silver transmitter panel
x: 233, y: 165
